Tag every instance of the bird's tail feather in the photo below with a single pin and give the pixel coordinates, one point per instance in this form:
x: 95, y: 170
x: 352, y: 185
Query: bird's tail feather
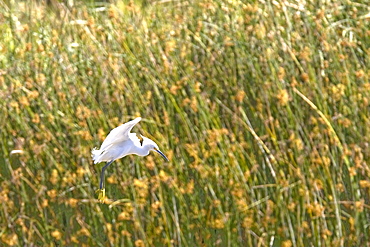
x: 95, y: 154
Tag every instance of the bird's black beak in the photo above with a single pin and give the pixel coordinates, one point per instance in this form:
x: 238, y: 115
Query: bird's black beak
x: 162, y: 154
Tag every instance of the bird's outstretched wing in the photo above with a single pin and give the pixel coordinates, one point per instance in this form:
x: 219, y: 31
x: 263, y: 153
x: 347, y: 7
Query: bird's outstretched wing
x: 119, y: 134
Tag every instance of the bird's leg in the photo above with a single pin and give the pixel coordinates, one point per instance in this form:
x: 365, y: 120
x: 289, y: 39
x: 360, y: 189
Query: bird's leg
x: 101, y: 191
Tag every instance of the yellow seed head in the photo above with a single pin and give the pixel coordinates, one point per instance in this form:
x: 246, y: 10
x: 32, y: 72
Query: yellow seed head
x: 240, y: 95
x: 125, y: 233
x: 124, y: 216
x: 359, y: 205
x: 10, y: 239
x: 286, y: 243
x: 281, y: 73
x: 84, y: 232
x: 364, y: 184
x: 360, y: 73
x: 112, y: 179
x: 52, y: 193
x: 72, y: 202
x: 305, y: 77
x: 54, y: 177
x: 283, y: 97
x: 56, y: 234
x: 23, y: 100
x: 248, y: 222
x: 139, y: 243
x: 218, y: 224
x: 45, y: 203
x: 352, y: 171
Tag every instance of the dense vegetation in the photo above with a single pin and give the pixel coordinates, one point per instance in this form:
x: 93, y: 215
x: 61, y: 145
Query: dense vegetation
x: 261, y: 106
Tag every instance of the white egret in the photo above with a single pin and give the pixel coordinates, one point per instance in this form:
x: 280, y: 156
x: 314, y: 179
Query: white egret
x: 119, y: 143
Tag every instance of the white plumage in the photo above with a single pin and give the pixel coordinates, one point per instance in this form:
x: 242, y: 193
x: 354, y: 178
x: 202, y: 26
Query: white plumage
x: 116, y: 142
x: 119, y: 143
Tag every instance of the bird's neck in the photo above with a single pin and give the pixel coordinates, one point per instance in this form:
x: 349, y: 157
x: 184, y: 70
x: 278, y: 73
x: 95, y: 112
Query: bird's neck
x: 141, y: 151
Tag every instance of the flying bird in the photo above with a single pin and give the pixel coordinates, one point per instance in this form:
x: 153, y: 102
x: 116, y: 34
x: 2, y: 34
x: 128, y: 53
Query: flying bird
x: 119, y: 143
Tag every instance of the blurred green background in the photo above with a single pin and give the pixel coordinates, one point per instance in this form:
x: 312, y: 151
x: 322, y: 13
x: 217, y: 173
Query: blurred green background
x: 261, y: 106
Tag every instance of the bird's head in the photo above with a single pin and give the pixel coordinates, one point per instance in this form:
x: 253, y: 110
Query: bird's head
x: 152, y: 146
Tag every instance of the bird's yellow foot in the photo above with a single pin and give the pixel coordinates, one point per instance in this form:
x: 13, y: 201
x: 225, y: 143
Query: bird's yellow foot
x: 101, y: 195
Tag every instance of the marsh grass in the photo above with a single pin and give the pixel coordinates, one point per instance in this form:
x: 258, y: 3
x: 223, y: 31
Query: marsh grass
x: 262, y: 108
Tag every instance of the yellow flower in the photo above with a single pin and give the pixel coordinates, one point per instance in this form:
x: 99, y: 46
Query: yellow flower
x: 359, y: 205
x: 84, y: 232
x: 170, y: 46
x: 23, y: 100
x: 360, y: 73
x: 33, y: 94
x: 139, y: 243
x: 156, y: 205
x: 72, y: 202
x: 217, y: 223
x: 283, y: 97
x: 36, y: 118
x: 364, y: 184
x: 286, y: 243
x: 124, y: 216
x: 56, y: 234
x: 247, y: 222
x: 305, y: 77
x: 150, y: 164
x: 54, y: 177
x: 10, y: 239
x: 112, y: 179
x: 125, y: 233
x: 45, y: 203
x: 281, y: 73
x: 240, y: 95
x: 52, y: 193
